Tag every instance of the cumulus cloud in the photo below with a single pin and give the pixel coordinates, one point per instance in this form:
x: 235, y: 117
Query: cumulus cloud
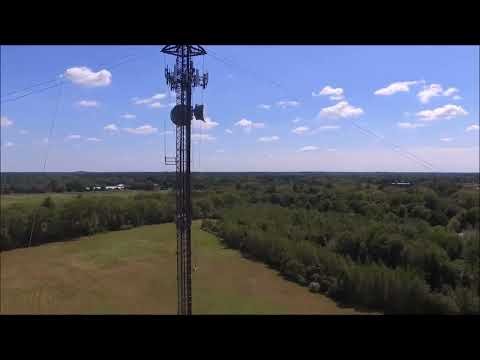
x: 450, y: 91
x: 94, y: 139
x: 473, y: 127
x: 268, y: 138
x: 129, y: 116
x: 5, y: 122
x: 445, y: 112
x: 409, y: 125
x: 228, y: 131
x: 401, y: 86
x: 308, y: 148
x: 9, y: 144
x: 287, y: 103
x: 334, y: 93
x: 146, y: 129
x: 300, y: 130
x: 296, y: 120
x: 456, y: 97
x: 23, y: 132
x: 341, y: 110
x: 248, y: 125
x: 86, y: 77
x: 73, y: 137
x: 446, y: 139
x: 202, y: 137
x: 429, y: 91
x: 220, y: 151
x: 111, y: 127
x: 432, y: 90
x: 88, y: 103
x: 205, y: 125
x: 264, y: 106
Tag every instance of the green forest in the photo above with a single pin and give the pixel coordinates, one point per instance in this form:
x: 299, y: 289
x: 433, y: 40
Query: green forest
x: 397, y: 243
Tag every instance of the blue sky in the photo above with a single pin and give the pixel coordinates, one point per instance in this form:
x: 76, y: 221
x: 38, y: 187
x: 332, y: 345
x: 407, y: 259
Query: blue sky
x: 421, y: 101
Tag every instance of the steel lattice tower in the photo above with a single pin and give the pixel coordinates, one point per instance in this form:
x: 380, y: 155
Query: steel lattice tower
x: 182, y: 79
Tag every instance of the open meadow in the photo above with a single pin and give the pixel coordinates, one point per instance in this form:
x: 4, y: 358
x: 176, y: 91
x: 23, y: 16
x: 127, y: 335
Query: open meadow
x: 134, y: 272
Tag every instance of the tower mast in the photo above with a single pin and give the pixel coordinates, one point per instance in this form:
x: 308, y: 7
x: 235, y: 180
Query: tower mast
x: 181, y: 80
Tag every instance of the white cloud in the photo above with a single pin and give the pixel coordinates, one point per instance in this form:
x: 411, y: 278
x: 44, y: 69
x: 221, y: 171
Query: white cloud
x: 287, y: 103
x: 129, y: 116
x: 23, y: 132
x: 206, y: 125
x: 142, y: 130
x: 248, y: 125
x: 473, y: 127
x: 335, y: 93
x: 331, y: 150
x: 159, y: 96
x: 300, y: 130
x: 264, y: 106
x: 436, y: 90
x: 93, y: 139
x: 111, y: 127
x: 429, y: 91
x: 73, y: 137
x: 9, y: 144
x: 445, y: 112
x: 409, y: 125
x: 151, y: 100
x: 220, y: 151
x: 342, y: 109
x: 86, y: 77
x: 308, y: 148
x: 5, y: 122
x: 202, y: 137
x: 450, y: 91
x: 45, y: 140
x: 88, y: 103
x: 446, y: 139
x: 228, y: 131
x: 157, y: 105
x: 296, y: 120
x: 401, y: 86
x: 268, y: 138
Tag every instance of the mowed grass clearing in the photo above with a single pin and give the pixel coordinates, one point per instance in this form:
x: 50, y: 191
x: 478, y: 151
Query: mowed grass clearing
x: 134, y: 272
x: 60, y: 198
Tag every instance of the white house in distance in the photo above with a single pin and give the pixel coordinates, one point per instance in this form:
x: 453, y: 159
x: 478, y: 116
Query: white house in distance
x: 115, y: 187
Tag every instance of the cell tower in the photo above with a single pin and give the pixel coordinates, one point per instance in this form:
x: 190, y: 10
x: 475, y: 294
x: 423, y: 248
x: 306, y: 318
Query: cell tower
x: 182, y: 79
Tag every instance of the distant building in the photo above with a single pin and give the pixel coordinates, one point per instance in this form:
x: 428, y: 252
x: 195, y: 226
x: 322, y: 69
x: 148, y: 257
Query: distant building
x: 399, y: 183
x: 115, y: 187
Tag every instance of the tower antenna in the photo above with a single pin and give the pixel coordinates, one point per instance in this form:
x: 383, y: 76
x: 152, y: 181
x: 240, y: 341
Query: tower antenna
x: 182, y: 79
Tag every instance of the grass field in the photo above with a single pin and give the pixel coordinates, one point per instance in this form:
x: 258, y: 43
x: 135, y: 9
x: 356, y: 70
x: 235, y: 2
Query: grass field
x: 59, y: 198
x: 134, y: 272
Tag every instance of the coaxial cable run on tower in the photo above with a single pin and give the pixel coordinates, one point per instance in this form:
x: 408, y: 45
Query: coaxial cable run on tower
x: 182, y: 79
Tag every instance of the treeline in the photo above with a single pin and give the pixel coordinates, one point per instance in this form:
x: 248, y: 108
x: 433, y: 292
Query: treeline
x: 360, y: 239
x: 78, y: 181
x: 397, y: 267
x: 90, y: 214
